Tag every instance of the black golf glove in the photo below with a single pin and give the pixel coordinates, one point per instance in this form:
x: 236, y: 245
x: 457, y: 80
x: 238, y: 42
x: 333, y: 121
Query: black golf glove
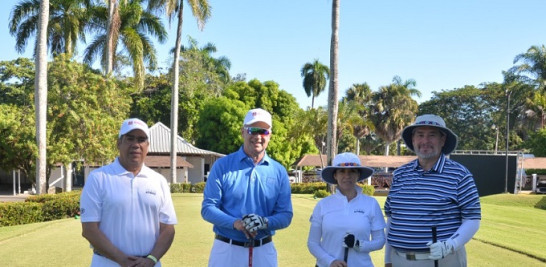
x: 254, y: 222
x: 349, y: 241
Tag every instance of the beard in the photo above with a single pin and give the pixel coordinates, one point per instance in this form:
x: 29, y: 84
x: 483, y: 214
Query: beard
x: 429, y: 155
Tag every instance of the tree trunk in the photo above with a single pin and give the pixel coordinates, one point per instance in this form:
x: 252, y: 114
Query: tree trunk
x: 387, y: 148
x: 332, y: 92
x: 357, y: 146
x: 40, y: 86
x: 68, y: 178
x: 111, y: 36
x: 174, y: 97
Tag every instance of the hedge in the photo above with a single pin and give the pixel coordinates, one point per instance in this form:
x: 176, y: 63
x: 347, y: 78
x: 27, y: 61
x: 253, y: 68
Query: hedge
x: 296, y: 188
x: 40, y: 208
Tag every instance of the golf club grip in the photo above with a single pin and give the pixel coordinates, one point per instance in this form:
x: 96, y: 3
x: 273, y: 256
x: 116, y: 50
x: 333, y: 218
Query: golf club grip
x: 346, y: 255
x: 434, y: 240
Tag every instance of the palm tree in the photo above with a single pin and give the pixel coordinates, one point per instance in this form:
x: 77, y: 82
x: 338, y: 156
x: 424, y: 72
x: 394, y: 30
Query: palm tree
x: 112, y: 34
x: 40, y: 85
x: 533, y: 63
x: 332, y: 91
x: 314, y: 76
x: 67, y: 22
x: 359, y: 96
x: 201, y: 11
x: 135, y: 26
x: 393, y: 109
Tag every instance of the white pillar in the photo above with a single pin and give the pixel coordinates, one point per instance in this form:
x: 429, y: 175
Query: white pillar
x: 534, y: 182
x: 13, y: 173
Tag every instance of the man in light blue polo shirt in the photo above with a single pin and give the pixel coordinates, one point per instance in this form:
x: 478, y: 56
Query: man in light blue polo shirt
x: 247, y: 198
x: 430, y: 196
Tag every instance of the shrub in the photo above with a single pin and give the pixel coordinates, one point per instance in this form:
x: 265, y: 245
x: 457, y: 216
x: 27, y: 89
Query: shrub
x: 180, y: 188
x: 307, y: 188
x: 367, y: 189
x: 40, y: 208
x: 198, y: 187
x: 321, y: 194
x: 15, y: 213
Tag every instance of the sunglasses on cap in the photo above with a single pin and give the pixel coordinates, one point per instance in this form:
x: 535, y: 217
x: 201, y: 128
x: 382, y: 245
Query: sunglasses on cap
x: 347, y: 164
x: 257, y: 131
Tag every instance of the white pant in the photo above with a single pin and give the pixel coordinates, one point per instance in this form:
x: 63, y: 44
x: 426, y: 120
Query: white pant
x: 455, y: 259
x: 223, y: 254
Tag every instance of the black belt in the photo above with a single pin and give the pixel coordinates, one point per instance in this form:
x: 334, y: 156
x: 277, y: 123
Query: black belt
x: 253, y: 243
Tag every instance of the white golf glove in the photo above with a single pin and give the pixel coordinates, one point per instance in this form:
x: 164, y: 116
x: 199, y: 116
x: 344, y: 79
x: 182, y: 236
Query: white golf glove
x: 440, y: 249
x: 254, y: 222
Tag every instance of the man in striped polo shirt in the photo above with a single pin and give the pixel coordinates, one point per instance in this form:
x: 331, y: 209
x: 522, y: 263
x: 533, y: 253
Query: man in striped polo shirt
x: 431, y: 192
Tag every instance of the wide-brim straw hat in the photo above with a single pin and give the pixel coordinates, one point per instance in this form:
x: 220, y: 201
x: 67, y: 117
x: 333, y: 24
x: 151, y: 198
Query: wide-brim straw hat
x: 345, y: 160
x: 431, y: 120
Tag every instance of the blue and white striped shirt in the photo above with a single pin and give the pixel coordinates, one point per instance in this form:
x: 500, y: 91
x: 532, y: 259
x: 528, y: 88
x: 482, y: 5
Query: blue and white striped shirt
x: 419, y: 199
x: 237, y: 187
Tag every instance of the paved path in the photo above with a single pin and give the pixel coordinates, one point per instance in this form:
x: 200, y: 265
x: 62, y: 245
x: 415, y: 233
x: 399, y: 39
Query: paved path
x: 7, y: 196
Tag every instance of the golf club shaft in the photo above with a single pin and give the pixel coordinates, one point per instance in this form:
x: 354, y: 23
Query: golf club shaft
x: 434, y: 240
x: 346, y: 255
x: 250, y: 252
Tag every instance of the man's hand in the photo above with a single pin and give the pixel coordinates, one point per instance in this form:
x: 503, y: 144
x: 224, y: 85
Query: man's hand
x: 254, y: 222
x: 240, y: 225
x: 439, y: 249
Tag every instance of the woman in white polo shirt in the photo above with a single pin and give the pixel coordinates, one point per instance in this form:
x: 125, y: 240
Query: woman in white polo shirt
x: 347, y: 225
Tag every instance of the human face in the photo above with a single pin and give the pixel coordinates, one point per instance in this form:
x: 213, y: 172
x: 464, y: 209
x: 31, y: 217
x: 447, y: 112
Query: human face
x: 255, y: 143
x: 346, y: 178
x: 133, y: 148
x: 428, y: 142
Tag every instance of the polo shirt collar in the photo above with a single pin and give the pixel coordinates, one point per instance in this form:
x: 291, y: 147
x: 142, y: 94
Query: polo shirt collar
x: 119, y: 170
x: 242, y: 156
x: 438, y: 166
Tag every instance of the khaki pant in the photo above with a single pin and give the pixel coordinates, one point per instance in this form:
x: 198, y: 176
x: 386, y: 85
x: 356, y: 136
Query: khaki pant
x: 455, y: 259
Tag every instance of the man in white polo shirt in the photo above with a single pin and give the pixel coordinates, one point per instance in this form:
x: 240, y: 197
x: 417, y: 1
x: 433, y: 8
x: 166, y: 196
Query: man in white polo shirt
x: 126, y: 208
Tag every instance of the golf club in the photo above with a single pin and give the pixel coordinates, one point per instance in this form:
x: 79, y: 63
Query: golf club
x: 346, y: 255
x: 434, y: 240
x: 250, y: 248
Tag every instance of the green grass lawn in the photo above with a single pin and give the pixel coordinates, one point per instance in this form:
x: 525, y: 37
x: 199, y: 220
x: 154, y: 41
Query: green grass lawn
x: 511, y: 234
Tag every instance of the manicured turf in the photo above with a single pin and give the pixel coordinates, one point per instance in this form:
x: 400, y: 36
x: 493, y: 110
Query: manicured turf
x: 511, y: 234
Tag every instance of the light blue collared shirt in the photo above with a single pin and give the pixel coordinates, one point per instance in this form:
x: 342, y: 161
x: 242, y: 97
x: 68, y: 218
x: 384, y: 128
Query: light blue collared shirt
x: 236, y: 187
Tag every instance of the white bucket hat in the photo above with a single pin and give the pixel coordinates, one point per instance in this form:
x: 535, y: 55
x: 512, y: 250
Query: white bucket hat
x: 431, y: 121
x: 345, y: 160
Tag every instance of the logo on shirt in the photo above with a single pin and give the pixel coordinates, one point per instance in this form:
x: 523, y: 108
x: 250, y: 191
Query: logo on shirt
x: 359, y: 211
x: 151, y: 192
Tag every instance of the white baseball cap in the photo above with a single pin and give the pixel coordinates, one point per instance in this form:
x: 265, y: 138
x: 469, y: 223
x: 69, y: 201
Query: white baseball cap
x: 132, y: 124
x: 257, y: 115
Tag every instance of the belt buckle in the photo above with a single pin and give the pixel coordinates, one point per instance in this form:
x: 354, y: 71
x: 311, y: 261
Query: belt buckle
x: 410, y: 256
x: 248, y: 244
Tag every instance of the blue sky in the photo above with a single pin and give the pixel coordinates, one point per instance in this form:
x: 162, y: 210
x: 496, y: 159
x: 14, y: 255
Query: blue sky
x: 442, y: 44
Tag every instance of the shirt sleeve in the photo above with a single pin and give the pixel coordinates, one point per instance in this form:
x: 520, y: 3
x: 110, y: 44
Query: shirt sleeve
x: 282, y: 212
x: 212, y: 199
x: 167, y: 215
x: 91, y: 200
x: 315, y: 235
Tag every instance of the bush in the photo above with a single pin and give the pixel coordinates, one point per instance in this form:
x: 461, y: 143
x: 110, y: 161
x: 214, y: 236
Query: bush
x: 321, y: 194
x: 367, y: 189
x: 198, y: 187
x: 307, y: 188
x: 15, y: 213
x: 40, y: 208
x: 180, y: 188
